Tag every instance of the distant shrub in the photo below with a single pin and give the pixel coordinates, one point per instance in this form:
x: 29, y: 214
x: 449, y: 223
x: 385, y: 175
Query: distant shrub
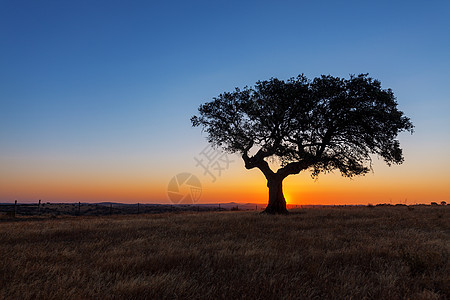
x: 434, y: 203
x: 443, y: 203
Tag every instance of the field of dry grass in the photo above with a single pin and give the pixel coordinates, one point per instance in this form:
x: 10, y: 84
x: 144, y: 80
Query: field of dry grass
x: 355, y: 252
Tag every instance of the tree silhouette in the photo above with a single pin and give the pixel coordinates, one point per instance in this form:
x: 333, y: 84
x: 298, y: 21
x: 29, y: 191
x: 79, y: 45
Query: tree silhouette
x: 319, y: 125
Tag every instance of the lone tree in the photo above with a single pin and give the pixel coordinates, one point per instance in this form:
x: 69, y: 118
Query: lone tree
x: 319, y: 125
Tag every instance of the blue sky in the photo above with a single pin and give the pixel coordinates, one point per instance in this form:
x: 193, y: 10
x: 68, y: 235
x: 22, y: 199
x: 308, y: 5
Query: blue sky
x: 117, y: 81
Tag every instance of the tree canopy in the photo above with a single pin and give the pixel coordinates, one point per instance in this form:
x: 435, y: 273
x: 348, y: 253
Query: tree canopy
x: 328, y: 123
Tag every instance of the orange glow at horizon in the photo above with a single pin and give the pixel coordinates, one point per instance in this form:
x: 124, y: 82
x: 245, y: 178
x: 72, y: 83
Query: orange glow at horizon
x: 409, y: 183
x: 297, y: 191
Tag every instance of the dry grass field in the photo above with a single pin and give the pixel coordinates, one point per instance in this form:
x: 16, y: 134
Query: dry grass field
x: 329, y: 253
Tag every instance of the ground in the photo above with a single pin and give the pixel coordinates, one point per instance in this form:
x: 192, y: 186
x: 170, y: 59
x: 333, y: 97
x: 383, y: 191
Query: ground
x: 353, y: 252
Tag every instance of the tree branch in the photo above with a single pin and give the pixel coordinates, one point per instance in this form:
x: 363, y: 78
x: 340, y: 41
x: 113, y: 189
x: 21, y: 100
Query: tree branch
x: 294, y: 168
x: 257, y: 161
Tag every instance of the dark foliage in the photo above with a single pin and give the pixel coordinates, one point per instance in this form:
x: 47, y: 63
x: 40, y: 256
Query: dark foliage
x: 320, y: 125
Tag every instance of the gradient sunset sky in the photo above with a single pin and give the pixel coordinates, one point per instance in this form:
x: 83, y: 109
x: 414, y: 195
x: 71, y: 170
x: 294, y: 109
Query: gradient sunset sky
x: 96, y: 96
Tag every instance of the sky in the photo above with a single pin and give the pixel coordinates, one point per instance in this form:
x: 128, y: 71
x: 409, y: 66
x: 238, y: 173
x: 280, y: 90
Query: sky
x: 96, y: 96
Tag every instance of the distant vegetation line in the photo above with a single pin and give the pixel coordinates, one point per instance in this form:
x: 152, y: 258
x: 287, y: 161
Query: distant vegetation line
x: 47, y: 209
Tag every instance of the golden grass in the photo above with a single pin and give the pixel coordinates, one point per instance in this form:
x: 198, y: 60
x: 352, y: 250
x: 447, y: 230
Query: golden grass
x: 379, y: 252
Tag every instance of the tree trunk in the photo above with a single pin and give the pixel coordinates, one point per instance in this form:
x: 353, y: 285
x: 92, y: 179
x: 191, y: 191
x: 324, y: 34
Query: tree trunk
x: 277, y: 203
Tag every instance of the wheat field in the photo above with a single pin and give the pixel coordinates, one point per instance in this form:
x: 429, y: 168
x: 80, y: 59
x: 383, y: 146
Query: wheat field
x: 330, y: 253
